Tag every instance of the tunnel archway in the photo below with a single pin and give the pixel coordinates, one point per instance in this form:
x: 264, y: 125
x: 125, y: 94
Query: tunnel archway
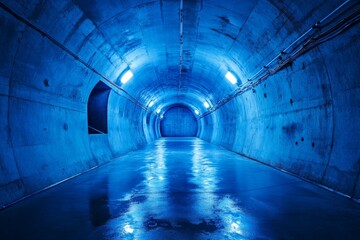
x: 302, y: 119
x: 178, y: 121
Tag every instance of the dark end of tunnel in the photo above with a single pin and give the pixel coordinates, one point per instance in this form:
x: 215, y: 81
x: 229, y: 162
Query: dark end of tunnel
x: 178, y: 121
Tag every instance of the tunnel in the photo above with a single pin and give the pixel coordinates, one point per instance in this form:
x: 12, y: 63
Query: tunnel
x: 179, y: 119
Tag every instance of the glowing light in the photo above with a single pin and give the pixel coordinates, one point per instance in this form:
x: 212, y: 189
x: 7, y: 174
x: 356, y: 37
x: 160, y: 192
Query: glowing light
x: 196, y: 112
x: 126, y: 77
x: 206, y: 104
x: 235, y: 227
x: 158, y: 110
x: 231, y: 78
x: 128, y: 229
x: 151, y: 103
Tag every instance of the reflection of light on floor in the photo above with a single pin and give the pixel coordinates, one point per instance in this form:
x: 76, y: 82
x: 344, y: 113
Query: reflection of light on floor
x: 232, y: 217
x: 128, y: 229
x: 205, y: 179
x: 126, y: 197
x: 218, y: 210
x: 208, y: 204
x: 235, y: 227
x: 155, y: 181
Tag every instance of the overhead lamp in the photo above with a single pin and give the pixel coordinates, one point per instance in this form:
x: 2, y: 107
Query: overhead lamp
x: 206, y: 104
x: 196, y: 112
x: 126, y: 77
x: 158, y: 110
x: 151, y: 103
x: 231, y: 78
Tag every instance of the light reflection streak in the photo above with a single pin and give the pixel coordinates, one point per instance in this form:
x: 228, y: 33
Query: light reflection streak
x: 128, y: 229
x: 209, y: 204
x: 154, y: 188
x: 204, y: 177
x: 204, y: 200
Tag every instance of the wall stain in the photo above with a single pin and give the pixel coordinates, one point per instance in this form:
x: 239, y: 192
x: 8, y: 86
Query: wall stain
x: 292, y: 129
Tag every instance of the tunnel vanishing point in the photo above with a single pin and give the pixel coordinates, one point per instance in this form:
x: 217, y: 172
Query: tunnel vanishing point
x: 84, y: 82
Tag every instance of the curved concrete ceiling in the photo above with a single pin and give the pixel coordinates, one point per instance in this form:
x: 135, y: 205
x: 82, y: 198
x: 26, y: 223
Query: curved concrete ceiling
x: 175, y: 46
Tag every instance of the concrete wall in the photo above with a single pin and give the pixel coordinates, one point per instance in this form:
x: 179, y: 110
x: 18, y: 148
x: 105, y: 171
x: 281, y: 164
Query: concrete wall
x: 304, y: 119
x: 43, y: 108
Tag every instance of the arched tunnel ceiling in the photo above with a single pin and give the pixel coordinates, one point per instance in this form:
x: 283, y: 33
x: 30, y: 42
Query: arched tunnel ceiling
x: 178, y: 48
x: 302, y: 119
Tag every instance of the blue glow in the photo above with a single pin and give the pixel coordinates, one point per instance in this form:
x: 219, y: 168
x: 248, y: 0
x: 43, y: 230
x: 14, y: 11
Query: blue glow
x: 196, y: 112
x: 128, y: 229
x: 126, y: 77
x: 231, y: 78
x: 179, y: 121
x: 206, y: 104
x: 158, y: 110
x: 151, y: 104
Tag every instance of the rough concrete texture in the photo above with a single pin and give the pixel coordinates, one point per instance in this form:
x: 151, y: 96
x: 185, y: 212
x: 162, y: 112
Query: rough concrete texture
x: 178, y: 121
x: 302, y: 119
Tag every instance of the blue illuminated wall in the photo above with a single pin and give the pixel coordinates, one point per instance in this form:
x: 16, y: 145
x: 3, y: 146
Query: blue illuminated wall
x: 304, y: 119
x: 178, y: 121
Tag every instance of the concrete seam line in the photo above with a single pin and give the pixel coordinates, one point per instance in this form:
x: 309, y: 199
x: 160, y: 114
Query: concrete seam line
x: 307, y: 44
x: 46, y: 188
x: 8, y: 115
x: 106, y: 80
x: 333, y: 120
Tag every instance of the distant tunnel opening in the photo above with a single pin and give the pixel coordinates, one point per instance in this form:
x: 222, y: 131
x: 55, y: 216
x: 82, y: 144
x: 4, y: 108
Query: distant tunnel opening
x: 178, y: 121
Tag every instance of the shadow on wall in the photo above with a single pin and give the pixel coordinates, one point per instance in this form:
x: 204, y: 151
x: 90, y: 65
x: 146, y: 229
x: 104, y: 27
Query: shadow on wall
x: 178, y: 121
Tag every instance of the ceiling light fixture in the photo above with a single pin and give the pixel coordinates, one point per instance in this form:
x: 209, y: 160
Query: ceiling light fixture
x: 126, y: 77
x: 231, y: 78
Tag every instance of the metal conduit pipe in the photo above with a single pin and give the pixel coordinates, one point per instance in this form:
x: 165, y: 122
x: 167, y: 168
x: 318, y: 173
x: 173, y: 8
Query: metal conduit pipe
x: 293, y: 51
x: 315, y: 26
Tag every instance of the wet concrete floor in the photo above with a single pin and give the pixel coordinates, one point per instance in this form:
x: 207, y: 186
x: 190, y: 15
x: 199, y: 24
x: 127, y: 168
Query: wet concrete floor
x: 183, y: 188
